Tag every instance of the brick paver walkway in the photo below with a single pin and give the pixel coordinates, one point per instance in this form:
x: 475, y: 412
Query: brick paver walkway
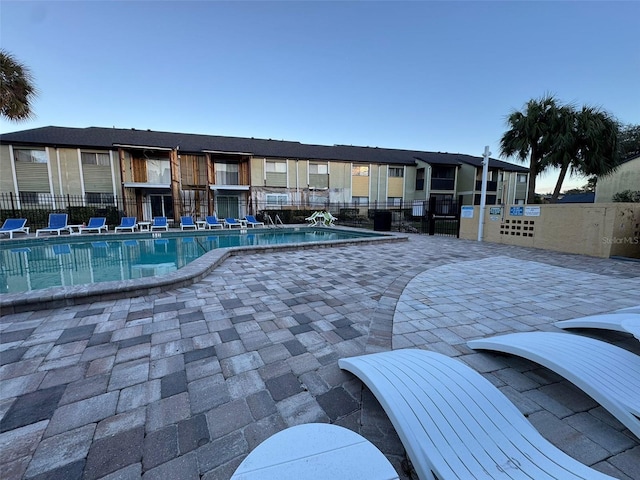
x: 183, y: 384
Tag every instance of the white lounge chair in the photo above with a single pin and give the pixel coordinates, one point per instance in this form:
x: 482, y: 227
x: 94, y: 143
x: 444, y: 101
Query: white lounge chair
x: 329, y: 219
x: 57, y: 224
x: 127, y: 223
x: 232, y: 222
x: 315, y: 218
x: 618, y: 321
x: 635, y: 309
x: 609, y: 374
x: 212, y: 222
x: 187, y: 222
x: 315, y: 451
x: 14, y: 225
x: 160, y: 223
x: 455, y: 424
x: 96, y: 223
x: 251, y: 220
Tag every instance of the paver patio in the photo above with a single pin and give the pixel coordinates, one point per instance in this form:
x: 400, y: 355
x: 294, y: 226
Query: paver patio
x: 183, y: 384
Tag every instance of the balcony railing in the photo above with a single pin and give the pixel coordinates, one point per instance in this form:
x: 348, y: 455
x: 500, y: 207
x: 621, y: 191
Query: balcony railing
x: 491, y: 186
x: 443, y: 184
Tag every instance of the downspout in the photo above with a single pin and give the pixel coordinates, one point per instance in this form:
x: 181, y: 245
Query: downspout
x: 51, y: 190
x: 59, y: 171
x: 14, y: 175
x: 81, y: 174
x: 113, y: 178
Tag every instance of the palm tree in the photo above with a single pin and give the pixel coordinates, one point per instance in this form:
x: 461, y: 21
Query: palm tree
x: 586, y: 143
x: 530, y: 136
x: 16, y: 88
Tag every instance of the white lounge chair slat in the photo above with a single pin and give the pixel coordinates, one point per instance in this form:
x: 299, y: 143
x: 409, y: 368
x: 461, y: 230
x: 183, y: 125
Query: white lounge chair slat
x: 315, y: 451
x: 455, y: 424
x: 635, y: 309
x: 454, y: 418
x: 607, y: 321
x: 609, y: 374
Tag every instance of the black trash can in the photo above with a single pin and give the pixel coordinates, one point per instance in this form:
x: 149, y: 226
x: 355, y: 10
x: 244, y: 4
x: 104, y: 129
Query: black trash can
x: 382, y: 221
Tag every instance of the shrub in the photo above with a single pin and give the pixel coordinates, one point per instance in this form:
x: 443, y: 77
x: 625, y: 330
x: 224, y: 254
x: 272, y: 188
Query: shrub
x: 627, y: 196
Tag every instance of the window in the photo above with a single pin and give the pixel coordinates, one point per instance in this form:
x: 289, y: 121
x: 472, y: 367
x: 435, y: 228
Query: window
x: 420, y: 179
x: 35, y: 199
x: 30, y: 156
x: 277, y: 199
x: 99, y: 198
x: 227, y: 173
x: 360, y: 171
x: 318, y: 169
x: 101, y: 159
x: 394, y: 201
x: 519, y: 201
x: 29, y: 197
x: 360, y: 201
x: 158, y: 171
x: 522, y: 178
x: 440, y: 171
x: 397, y: 172
x: 276, y: 167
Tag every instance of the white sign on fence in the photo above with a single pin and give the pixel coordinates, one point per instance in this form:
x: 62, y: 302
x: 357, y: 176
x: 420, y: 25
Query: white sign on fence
x: 531, y: 211
x: 467, y: 212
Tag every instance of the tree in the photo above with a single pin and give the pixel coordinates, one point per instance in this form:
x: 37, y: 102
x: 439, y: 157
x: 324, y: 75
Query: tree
x: 586, y: 143
x: 549, y: 134
x: 16, y: 88
x: 530, y: 136
x: 629, y: 141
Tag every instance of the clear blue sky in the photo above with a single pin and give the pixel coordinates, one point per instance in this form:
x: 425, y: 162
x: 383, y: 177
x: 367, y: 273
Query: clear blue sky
x: 436, y: 76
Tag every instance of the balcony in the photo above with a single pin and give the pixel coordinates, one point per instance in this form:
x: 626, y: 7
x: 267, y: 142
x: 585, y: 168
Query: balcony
x: 491, y: 186
x: 443, y: 184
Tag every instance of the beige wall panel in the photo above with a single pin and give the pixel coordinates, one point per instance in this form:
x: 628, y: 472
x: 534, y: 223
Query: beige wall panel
x: 466, y: 178
x: 340, y: 182
x: 360, y: 186
x: 339, y: 175
x: 395, y: 187
x: 626, y: 177
x: 257, y: 171
x: 596, y: 230
x: 69, y: 171
x: 6, y: 172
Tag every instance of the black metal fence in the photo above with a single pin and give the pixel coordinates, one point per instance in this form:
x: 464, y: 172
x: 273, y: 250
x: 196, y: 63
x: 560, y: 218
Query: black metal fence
x: 433, y: 217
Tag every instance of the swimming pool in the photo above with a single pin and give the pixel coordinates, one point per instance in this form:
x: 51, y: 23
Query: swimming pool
x: 37, y: 264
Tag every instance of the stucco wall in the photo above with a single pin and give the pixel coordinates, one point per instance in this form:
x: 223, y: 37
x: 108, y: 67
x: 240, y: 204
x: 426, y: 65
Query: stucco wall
x: 626, y: 177
x: 604, y: 230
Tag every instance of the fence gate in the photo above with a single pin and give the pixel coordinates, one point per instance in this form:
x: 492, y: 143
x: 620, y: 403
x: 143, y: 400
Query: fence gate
x: 442, y: 217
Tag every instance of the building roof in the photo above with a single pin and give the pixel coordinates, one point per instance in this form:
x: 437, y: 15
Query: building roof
x: 98, y: 137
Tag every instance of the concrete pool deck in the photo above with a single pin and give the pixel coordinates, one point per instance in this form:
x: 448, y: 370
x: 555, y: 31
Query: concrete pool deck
x: 184, y: 383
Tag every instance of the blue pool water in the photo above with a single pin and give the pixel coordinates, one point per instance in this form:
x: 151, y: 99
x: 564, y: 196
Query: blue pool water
x: 36, y: 264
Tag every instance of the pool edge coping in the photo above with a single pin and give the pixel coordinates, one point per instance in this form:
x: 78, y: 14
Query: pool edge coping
x: 58, y: 297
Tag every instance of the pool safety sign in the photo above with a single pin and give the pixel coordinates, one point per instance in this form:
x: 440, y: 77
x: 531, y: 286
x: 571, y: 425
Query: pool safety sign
x: 532, y: 211
x: 467, y: 212
x: 516, y: 211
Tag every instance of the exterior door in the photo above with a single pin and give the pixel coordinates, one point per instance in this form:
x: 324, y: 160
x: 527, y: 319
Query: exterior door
x: 161, y: 206
x: 227, y: 207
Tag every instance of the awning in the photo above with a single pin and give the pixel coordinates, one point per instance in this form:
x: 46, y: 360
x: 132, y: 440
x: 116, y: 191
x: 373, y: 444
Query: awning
x: 229, y: 187
x: 146, y: 185
x: 143, y: 147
